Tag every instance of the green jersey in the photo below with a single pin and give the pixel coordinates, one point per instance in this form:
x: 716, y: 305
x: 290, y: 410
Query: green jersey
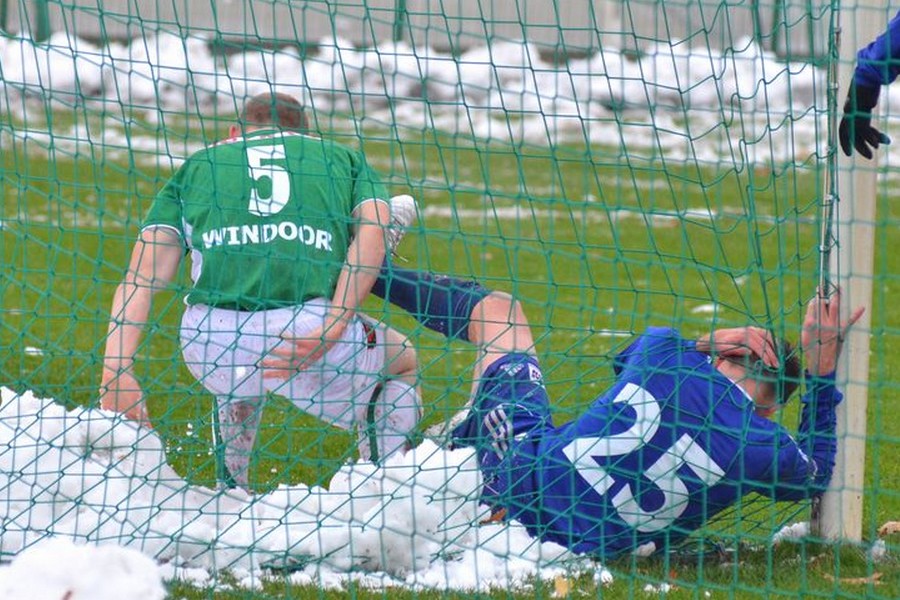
x: 267, y: 217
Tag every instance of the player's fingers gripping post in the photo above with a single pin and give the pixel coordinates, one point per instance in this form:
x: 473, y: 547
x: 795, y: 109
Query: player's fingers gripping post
x: 823, y: 336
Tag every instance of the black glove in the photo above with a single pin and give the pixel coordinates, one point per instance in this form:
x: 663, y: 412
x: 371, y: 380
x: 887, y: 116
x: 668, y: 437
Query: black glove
x: 857, y: 122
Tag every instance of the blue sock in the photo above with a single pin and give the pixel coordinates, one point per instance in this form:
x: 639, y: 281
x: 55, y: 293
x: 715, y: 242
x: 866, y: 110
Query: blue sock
x: 440, y: 303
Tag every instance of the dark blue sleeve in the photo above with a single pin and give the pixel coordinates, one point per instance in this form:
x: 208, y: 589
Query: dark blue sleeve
x: 879, y: 63
x: 803, y: 468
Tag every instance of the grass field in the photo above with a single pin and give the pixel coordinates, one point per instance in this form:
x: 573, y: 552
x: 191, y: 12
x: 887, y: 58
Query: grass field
x: 597, y: 243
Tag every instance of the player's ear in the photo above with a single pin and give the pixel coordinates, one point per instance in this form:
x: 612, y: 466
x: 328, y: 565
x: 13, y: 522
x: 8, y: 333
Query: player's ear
x: 234, y: 131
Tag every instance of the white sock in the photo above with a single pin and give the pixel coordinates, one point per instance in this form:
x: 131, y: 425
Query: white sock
x: 238, y: 425
x: 396, y: 413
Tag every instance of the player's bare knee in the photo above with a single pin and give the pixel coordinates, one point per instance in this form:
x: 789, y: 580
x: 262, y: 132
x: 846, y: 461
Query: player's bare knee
x: 498, y: 320
x: 401, y: 358
x: 406, y: 362
x: 496, y: 306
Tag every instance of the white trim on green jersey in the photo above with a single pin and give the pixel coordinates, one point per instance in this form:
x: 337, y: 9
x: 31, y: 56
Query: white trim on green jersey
x: 176, y: 230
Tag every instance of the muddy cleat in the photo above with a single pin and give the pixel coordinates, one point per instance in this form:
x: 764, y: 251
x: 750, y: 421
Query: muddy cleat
x: 403, y: 215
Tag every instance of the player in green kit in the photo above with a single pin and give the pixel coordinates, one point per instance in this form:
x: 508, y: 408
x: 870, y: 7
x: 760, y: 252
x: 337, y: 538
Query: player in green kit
x: 287, y: 233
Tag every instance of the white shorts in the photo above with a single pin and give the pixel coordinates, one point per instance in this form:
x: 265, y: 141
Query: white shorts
x: 222, y: 349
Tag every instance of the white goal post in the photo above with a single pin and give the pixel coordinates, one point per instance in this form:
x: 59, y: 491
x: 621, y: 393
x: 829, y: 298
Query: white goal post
x: 840, y: 513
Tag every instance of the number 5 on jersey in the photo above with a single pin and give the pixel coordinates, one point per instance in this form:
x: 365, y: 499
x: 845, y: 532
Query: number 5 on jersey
x: 270, y: 185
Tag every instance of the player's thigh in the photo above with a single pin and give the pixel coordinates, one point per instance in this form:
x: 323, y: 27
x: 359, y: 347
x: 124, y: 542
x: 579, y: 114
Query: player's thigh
x: 222, y: 348
x: 499, y: 327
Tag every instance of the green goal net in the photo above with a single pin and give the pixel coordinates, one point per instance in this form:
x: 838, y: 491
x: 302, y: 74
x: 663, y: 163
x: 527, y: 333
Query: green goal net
x: 615, y: 165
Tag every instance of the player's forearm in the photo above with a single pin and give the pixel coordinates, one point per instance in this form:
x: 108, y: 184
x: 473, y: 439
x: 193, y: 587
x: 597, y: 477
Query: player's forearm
x: 129, y: 313
x: 154, y: 263
x: 801, y: 469
x: 879, y: 63
x: 364, y: 259
x: 817, y: 426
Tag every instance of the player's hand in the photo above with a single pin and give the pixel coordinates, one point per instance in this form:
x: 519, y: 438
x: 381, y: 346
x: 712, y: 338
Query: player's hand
x: 741, y: 342
x: 121, y: 392
x: 855, y: 130
x: 299, y: 353
x: 823, y: 336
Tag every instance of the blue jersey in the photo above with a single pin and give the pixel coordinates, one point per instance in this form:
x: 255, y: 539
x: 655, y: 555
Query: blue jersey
x: 670, y: 445
x: 879, y: 63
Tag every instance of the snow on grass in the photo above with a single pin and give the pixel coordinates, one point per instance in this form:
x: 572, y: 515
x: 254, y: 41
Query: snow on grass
x: 90, y: 477
x: 57, y: 568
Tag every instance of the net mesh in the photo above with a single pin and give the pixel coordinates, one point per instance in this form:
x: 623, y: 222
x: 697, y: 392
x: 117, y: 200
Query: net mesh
x: 613, y: 165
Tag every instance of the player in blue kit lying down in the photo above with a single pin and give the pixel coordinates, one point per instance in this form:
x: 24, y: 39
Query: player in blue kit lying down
x: 680, y: 436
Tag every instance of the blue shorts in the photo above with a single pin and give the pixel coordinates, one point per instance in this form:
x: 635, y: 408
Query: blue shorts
x: 511, y: 403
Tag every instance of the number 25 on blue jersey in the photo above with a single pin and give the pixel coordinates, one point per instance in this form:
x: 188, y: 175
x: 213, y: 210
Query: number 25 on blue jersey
x: 582, y: 451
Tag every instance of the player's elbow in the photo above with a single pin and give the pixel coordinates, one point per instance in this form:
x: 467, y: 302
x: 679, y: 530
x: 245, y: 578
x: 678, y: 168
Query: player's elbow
x: 370, y: 244
x: 136, y: 283
x: 139, y: 287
